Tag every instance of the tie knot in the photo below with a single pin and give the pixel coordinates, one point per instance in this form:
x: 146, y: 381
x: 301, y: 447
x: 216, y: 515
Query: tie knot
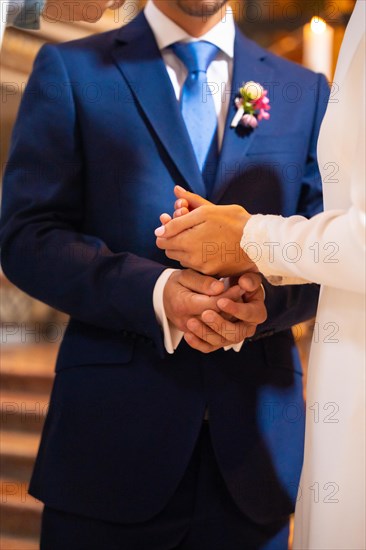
x: 196, y: 56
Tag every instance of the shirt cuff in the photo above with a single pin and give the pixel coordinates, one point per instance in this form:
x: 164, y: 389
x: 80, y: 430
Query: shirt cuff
x: 29, y: 16
x: 172, y: 336
x: 234, y: 347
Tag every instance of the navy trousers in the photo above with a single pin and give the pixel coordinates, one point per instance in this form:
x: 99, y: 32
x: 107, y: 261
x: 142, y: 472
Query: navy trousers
x: 201, y: 515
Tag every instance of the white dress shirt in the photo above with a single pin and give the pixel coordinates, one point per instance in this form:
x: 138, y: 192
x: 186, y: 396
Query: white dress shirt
x: 219, y: 73
x: 219, y: 76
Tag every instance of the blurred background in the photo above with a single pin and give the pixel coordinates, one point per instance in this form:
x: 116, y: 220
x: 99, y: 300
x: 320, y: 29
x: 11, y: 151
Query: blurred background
x: 308, y: 32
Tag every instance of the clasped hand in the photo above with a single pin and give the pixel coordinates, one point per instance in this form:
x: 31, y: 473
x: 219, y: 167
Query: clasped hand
x: 210, y: 317
x: 196, y: 303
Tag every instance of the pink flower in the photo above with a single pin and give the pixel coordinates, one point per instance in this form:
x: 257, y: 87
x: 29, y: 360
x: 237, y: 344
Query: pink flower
x: 262, y: 106
x: 250, y: 121
x: 263, y: 114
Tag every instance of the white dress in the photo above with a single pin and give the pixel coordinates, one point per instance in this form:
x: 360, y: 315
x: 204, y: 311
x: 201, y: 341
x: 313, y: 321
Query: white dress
x: 330, y: 512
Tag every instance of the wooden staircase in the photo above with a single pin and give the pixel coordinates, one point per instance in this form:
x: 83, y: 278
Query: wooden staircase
x: 27, y: 372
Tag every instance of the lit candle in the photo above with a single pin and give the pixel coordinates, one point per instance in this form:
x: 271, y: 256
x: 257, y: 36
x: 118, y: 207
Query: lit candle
x: 318, y: 46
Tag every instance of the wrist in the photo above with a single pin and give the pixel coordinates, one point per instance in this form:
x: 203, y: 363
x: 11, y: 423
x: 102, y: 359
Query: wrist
x: 239, y: 262
x: 243, y: 218
x: 170, y: 289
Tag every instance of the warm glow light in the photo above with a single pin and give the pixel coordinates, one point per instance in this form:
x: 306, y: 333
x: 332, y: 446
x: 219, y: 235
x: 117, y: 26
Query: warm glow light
x: 318, y: 46
x: 318, y: 25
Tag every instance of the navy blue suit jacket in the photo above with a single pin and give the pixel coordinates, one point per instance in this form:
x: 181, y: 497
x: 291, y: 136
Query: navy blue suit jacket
x: 97, y: 148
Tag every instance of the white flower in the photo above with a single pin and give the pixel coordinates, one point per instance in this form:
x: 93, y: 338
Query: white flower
x: 253, y: 90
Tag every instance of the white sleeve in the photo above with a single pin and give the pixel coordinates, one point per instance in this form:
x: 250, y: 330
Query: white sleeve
x: 235, y: 347
x: 172, y: 336
x: 328, y: 249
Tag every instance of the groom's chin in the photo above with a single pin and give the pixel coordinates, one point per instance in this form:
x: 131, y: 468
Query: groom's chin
x: 201, y: 8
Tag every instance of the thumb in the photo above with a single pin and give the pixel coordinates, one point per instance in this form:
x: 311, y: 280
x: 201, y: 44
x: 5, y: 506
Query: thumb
x: 194, y: 200
x: 250, y: 281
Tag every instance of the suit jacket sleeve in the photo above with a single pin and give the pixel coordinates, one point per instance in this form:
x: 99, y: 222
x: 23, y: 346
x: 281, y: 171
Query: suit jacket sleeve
x: 44, y: 249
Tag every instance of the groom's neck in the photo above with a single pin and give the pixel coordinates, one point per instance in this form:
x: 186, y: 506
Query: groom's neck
x: 196, y: 25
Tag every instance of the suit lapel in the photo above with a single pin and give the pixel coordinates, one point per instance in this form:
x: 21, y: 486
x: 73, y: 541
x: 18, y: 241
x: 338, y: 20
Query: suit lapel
x: 141, y: 64
x: 249, y: 64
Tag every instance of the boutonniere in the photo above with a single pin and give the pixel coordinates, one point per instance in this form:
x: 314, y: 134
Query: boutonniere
x: 252, y: 104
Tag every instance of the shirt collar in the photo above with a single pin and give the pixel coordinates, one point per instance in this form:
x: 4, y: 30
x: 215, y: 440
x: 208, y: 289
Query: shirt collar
x: 167, y: 32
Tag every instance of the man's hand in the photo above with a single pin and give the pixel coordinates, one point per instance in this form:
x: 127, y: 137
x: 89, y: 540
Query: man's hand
x: 210, y: 318
x: 206, y: 238
x: 188, y: 294
x: 81, y: 10
x: 251, y: 310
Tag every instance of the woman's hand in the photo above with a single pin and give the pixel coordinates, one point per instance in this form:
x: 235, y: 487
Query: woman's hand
x: 204, y: 236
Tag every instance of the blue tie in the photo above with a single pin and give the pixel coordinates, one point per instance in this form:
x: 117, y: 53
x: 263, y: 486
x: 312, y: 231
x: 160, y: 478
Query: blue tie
x: 197, y: 105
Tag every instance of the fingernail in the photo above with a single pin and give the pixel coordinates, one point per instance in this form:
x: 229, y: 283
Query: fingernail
x: 179, y: 188
x: 159, y: 232
x: 216, y: 286
x: 223, y: 302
